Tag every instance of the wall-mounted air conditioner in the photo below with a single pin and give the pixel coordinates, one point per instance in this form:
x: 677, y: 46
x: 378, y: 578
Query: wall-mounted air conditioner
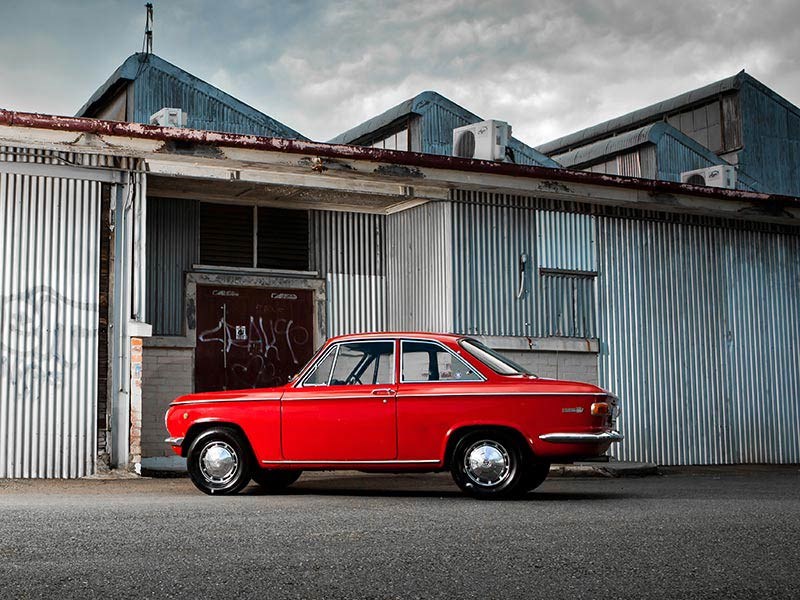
x: 486, y: 140
x: 169, y: 117
x: 722, y: 176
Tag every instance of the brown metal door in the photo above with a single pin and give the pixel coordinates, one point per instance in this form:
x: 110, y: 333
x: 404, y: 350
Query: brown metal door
x: 251, y: 337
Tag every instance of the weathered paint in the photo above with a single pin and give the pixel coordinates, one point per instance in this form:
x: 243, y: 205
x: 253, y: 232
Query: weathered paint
x: 49, y: 286
x: 550, y: 180
x: 698, y: 329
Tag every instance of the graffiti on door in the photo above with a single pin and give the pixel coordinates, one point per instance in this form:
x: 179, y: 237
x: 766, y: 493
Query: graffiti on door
x: 251, y: 337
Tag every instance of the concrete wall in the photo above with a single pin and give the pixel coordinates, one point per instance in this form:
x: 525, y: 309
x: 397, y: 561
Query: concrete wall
x: 166, y: 374
x: 575, y: 366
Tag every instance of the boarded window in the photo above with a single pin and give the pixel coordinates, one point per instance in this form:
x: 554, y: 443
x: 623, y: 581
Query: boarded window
x: 569, y: 304
x: 226, y: 235
x: 282, y: 239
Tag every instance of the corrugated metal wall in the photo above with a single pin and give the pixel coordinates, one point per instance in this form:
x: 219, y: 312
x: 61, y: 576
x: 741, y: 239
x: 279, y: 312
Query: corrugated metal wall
x: 419, y: 268
x: 171, y: 252
x: 491, y: 232
x: 49, y: 286
x: 699, y: 329
x: 675, y: 158
x: 348, y: 250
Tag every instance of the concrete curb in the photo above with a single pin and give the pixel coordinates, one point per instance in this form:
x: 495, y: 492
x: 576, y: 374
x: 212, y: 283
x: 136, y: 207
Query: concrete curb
x: 609, y: 469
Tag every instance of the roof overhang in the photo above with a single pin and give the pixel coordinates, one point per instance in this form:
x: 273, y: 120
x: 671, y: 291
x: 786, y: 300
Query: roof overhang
x: 244, y: 168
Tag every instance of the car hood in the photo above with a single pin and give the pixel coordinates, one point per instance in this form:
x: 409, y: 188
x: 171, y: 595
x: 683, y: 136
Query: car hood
x: 274, y: 393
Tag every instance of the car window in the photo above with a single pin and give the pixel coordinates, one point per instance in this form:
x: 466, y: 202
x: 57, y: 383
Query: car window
x: 428, y: 361
x: 321, y: 372
x: 356, y: 363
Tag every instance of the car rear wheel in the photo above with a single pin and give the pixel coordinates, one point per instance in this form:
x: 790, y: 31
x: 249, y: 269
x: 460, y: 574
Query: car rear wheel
x: 487, y: 465
x: 534, y: 476
x: 275, y: 480
x: 219, y: 461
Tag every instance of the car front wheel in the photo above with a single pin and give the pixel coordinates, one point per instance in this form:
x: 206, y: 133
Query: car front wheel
x: 219, y: 462
x: 275, y: 480
x: 487, y: 465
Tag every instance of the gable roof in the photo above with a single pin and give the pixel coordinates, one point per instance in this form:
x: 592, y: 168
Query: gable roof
x: 137, y: 64
x: 652, y: 134
x: 444, y: 115
x: 644, y: 115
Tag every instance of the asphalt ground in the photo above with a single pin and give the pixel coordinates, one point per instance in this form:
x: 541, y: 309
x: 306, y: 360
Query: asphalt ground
x: 699, y: 533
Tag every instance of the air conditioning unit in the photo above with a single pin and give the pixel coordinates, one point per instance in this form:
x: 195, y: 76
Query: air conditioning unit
x: 486, y: 140
x: 169, y: 117
x: 721, y: 176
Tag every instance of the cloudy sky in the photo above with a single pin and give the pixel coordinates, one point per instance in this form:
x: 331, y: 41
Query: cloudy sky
x: 548, y: 67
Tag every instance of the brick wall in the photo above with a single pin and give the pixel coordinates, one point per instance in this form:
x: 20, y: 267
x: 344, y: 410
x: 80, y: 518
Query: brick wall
x: 575, y: 366
x: 166, y: 374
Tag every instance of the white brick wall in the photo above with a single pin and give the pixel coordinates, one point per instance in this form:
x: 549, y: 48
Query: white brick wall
x: 166, y: 374
x: 575, y: 366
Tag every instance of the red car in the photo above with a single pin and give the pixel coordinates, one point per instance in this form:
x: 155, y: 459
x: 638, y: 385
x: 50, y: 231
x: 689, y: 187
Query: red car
x: 395, y: 402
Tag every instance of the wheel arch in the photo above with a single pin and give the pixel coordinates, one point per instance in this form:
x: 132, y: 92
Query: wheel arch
x: 198, y: 427
x: 457, y: 433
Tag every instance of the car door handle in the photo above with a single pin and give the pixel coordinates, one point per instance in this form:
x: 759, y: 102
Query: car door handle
x: 383, y: 392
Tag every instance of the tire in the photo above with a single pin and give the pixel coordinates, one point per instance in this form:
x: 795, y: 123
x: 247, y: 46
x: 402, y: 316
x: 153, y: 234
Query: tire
x: 275, y: 480
x: 487, y: 465
x: 534, y: 476
x: 219, y: 461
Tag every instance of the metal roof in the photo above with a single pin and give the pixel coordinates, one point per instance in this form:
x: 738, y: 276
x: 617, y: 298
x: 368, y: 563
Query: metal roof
x: 649, y: 134
x: 423, y: 104
x: 135, y: 65
x: 643, y: 115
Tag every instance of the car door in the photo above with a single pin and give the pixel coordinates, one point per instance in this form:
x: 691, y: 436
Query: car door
x: 344, y: 408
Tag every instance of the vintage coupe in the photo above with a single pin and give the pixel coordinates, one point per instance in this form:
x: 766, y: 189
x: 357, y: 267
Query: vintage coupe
x: 395, y: 402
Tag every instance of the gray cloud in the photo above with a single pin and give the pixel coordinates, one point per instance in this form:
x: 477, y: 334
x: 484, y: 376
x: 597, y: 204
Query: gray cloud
x: 548, y: 67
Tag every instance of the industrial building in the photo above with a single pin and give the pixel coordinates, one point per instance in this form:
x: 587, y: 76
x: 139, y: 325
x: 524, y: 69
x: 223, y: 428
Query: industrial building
x: 143, y: 262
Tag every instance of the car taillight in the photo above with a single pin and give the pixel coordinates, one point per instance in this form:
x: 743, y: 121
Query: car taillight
x: 600, y: 408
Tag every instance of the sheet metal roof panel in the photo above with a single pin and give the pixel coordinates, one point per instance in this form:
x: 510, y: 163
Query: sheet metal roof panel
x: 440, y: 116
x: 643, y: 115
x: 158, y: 81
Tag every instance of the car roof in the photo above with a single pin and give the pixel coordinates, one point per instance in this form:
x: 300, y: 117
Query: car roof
x: 450, y: 337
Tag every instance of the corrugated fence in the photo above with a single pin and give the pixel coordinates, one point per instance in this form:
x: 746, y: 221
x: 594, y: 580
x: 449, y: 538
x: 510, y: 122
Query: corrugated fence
x: 49, y: 285
x: 699, y: 330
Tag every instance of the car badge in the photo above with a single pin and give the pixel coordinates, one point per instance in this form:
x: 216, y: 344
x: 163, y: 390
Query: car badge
x: 575, y: 409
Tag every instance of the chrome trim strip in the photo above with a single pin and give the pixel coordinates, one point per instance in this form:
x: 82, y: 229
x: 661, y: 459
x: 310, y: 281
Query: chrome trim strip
x: 174, y: 441
x: 582, y: 438
x: 331, y: 398
x: 188, y: 402
x: 347, y: 462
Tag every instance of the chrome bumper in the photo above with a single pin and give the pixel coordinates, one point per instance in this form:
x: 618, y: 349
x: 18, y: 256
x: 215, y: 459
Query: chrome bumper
x: 174, y: 441
x: 582, y: 438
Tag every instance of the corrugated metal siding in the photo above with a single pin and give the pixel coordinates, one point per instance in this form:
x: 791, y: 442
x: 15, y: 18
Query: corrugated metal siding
x: 348, y: 251
x: 155, y: 89
x: 490, y: 233
x: 675, y: 157
x: 699, y: 328
x: 171, y: 252
x: 569, y: 306
x: 419, y: 276
x: 565, y: 241
x: 356, y: 303
x: 49, y: 285
x: 771, y: 139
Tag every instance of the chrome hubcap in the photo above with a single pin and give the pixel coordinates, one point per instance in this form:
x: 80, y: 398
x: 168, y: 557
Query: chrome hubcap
x: 487, y: 463
x: 218, y: 463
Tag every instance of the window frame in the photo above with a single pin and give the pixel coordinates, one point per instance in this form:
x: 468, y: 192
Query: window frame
x: 456, y: 355
x: 335, y: 348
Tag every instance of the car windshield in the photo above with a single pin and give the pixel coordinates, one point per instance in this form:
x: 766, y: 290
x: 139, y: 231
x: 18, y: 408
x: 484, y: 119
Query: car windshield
x: 493, y: 359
